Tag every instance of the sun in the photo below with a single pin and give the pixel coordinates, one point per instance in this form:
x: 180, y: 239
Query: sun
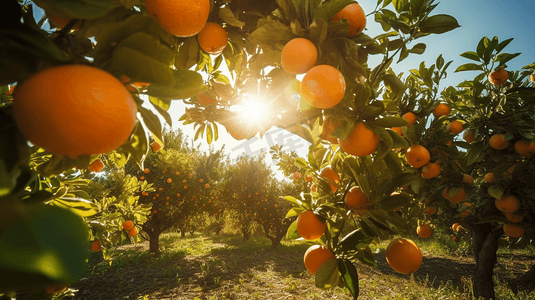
x: 254, y: 110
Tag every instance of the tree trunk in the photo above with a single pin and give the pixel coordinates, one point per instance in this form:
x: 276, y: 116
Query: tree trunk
x: 182, y: 233
x: 246, y: 231
x: 523, y: 282
x: 154, y: 241
x: 484, y: 246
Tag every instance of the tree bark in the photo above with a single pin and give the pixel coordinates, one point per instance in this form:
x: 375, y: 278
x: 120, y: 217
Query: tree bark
x: 154, y: 241
x: 484, y: 247
x: 523, y: 282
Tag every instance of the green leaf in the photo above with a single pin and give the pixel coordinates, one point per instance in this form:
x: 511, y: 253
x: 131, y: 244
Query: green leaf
x: 418, y: 48
x: 438, y: 24
x: 471, y: 55
x: 398, y: 140
x: 79, y: 206
x: 292, y: 200
x: 355, y: 240
x: 350, y: 276
x: 328, y: 9
x: 294, y: 212
x: 187, y: 53
x: 292, y: 233
x: 395, y: 201
x: 38, y: 249
x: 475, y: 152
x: 482, y: 46
x: 505, y: 57
x: 153, y: 123
x: 469, y: 67
x: 187, y: 84
x: 495, y: 191
x: 137, y: 147
x: 228, y: 16
x: 389, y: 122
x: 77, y: 9
x: 270, y: 33
x: 503, y: 44
x: 318, y: 31
x: 328, y: 276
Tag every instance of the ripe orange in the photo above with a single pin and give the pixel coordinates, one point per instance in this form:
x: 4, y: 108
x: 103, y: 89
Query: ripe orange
x: 355, y: 198
x: 431, y: 210
x: 455, y: 127
x: 212, y: 38
x: 156, y: 146
x: 11, y: 90
x: 513, y: 231
x: 142, y: 178
x: 65, y: 110
x: 331, y: 176
x: 53, y: 289
x: 417, y: 156
x: 524, y: 148
x: 146, y: 171
x: 206, y: 186
x: 309, y: 226
x: 424, y: 231
x: 299, y: 55
x: 514, y: 217
x: 398, y: 130
x: 323, y: 86
x: 469, y: 136
x: 489, y: 177
x: 95, y: 246
x: 169, y: 180
x: 508, y: 204
x: 145, y: 194
x: 127, y: 225
x: 355, y: 16
x: 204, y: 99
x: 132, y: 232
x: 308, y: 178
x: 455, y: 226
x: 498, y: 77
x: 441, y: 110
x: 459, y: 194
x: 62, y: 22
x: 468, y: 179
x: 404, y: 256
x: 96, y: 166
x: 454, y: 238
x: 296, y: 175
x: 313, y: 188
x: 315, y: 256
x: 329, y: 125
x: 431, y: 170
x: 238, y: 130
x: 409, y: 117
x: 498, y: 142
x: 182, y: 18
x: 361, y: 141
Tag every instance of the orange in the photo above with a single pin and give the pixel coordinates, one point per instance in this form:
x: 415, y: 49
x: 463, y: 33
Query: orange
x: 323, y: 86
x: 508, y: 204
x: 409, y: 117
x: 313, y: 188
x: 182, y: 18
x: 455, y: 226
x: 513, y: 231
x: 355, y: 198
x: 296, y: 175
x: 441, y: 110
x: 309, y: 226
x: 514, y: 217
x: 355, y: 16
x: 132, y: 232
x: 431, y: 170
x: 299, y: 55
x: 206, y: 186
x: 11, y: 90
x: 127, y: 225
x: 96, y: 166
x: 398, y: 130
x: 417, y: 156
x: 431, y: 210
x: 146, y: 171
x: 468, y: 179
x: 532, y: 77
x: 489, y: 177
x: 156, y: 146
x: 404, y: 256
x: 498, y: 142
x: 455, y: 127
x: 459, y: 194
x: 469, y: 136
x: 524, y: 148
x: 53, y: 289
x: 498, y: 77
x: 169, y: 180
x: 361, y: 141
x: 308, y: 178
x: 331, y: 177
x: 424, y: 231
x: 329, y: 125
x: 204, y: 99
x: 62, y: 22
x: 238, y: 130
x: 212, y: 38
x: 142, y: 178
x: 95, y: 246
x: 315, y: 256
x: 74, y: 110
x: 454, y: 238
x: 145, y: 194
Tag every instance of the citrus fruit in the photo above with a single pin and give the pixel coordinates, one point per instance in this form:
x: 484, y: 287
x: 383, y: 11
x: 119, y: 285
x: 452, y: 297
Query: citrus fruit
x: 469, y: 136
x: 514, y: 217
x: 424, y: 231
x: 74, y: 110
x: 96, y: 166
x: 361, y: 141
x: 398, y: 130
x: 431, y: 170
x: 323, y: 86
x: 296, y: 175
x: 95, y: 246
x: 308, y: 178
x: 404, y: 256
x: 524, y: 148
x: 204, y: 99
x: 498, y: 142
x: 498, y: 77
x: 315, y: 256
x: 441, y: 110
x: 409, y: 117
x: 212, y: 38
x: 489, y: 177
x: 299, y: 55
x: 532, y: 77
x: 53, y: 289
x: 455, y: 226
x: 61, y: 22
x: 455, y: 127
x: 331, y: 177
x: 513, y: 231
x: 431, y: 210
x: 127, y: 225
x: 146, y: 171
x: 355, y: 16
x: 454, y: 194
x: 182, y: 18
x: 417, y: 156
x: 508, y: 204
x: 132, y: 232
x: 355, y: 198
x: 156, y: 146
x: 309, y: 226
x: 468, y: 179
